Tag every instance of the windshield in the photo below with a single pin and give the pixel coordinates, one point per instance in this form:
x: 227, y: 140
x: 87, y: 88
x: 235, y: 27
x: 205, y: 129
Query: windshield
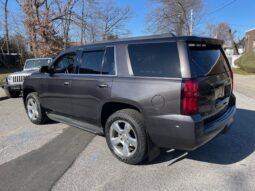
x: 36, y: 63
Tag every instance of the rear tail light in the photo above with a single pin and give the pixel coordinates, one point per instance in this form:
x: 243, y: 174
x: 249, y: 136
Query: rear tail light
x: 190, y: 97
x: 232, y: 79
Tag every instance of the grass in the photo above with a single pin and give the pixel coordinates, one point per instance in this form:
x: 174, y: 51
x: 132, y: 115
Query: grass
x: 2, y: 78
x: 240, y: 71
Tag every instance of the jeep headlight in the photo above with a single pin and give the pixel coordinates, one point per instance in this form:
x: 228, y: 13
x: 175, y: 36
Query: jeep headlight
x: 9, y: 78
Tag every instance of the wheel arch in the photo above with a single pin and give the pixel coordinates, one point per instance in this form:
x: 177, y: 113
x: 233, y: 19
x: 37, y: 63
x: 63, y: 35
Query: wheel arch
x: 110, y: 107
x: 27, y: 91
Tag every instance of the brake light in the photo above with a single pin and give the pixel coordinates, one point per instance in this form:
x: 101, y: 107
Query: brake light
x: 190, y: 97
x: 232, y: 80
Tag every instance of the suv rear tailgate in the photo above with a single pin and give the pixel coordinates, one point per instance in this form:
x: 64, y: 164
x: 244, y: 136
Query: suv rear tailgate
x: 211, y: 68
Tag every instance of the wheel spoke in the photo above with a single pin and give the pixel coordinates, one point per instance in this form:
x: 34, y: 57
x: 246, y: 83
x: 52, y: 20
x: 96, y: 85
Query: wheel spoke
x: 36, y: 113
x: 32, y: 109
x: 33, y: 114
x: 115, y: 141
x: 125, y: 149
x: 127, y: 128
x: 132, y: 141
x: 117, y: 128
x: 29, y: 107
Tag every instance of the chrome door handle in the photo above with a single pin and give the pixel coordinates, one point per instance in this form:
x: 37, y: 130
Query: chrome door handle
x: 102, y: 85
x: 66, y: 83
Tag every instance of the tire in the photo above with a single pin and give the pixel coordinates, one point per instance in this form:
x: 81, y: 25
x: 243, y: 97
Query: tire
x: 126, y: 136
x: 36, y: 113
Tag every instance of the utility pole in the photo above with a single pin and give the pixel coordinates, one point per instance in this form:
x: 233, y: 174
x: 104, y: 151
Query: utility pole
x: 191, y: 22
x: 234, y: 45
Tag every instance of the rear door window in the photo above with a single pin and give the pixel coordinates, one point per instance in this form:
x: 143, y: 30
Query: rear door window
x: 98, y: 62
x: 155, y: 60
x: 108, y: 63
x: 91, y: 62
x: 208, y: 61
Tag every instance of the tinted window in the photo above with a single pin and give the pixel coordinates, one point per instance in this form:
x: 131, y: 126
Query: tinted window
x: 65, y: 64
x: 208, y: 61
x: 91, y: 62
x: 108, y: 65
x: 155, y: 60
x: 37, y: 63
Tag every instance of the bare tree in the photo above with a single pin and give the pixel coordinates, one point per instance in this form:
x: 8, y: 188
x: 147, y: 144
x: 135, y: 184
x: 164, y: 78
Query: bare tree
x: 219, y: 30
x: 97, y: 20
x: 84, y: 15
x: 113, y: 20
x: 66, y: 9
x: 40, y: 22
x: 7, y: 41
x: 174, y: 16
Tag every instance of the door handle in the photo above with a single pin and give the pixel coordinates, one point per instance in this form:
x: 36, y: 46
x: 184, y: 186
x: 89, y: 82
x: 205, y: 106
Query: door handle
x: 66, y: 83
x: 102, y: 85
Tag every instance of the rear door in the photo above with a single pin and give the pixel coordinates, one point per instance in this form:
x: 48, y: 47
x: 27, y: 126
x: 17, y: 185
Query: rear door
x: 209, y: 64
x: 92, y: 85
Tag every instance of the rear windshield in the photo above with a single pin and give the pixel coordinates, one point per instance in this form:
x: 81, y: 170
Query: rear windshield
x: 208, y: 61
x: 155, y: 60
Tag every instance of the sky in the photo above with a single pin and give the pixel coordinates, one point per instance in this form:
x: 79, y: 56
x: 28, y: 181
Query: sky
x: 240, y: 14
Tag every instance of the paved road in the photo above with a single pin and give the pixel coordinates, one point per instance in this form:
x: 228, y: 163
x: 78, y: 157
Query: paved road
x: 18, y: 135
x: 226, y: 163
x: 245, y: 84
x: 37, y: 156
x: 40, y: 169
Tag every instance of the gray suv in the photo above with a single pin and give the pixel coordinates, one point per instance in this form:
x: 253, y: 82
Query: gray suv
x: 141, y: 93
x: 13, y: 83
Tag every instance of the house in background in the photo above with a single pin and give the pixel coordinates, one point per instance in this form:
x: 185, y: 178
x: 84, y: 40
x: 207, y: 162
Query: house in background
x: 250, y: 41
x: 229, y: 51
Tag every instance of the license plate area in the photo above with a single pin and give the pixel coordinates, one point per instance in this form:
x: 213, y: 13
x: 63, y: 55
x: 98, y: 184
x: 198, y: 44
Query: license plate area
x: 16, y: 87
x: 219, y: 92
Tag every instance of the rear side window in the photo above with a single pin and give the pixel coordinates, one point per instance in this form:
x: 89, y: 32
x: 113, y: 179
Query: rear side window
x: 208, y: 61
x: 155, y: 60
x: 98, y: 62
x: 108, y: 63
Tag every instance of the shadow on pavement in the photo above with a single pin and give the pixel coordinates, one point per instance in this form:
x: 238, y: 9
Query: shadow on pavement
x: 234, y: 146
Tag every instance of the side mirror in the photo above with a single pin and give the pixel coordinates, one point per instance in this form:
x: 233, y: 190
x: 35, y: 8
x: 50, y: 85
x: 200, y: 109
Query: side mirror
x: 45, y: 69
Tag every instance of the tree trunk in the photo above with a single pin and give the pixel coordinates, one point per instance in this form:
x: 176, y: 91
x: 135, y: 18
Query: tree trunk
x: 234, y: 46
x: 82, y: 22
x: 6, y: 26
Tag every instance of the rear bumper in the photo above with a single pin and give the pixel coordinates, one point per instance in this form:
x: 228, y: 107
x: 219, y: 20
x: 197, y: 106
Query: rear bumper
x: 186, y: 132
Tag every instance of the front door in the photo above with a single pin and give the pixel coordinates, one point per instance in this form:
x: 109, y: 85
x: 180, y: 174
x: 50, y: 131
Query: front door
x: 58, y: 94
x: 92, y: 85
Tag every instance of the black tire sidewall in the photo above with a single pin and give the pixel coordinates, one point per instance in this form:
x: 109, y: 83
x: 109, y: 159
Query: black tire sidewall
x: 137, y: 124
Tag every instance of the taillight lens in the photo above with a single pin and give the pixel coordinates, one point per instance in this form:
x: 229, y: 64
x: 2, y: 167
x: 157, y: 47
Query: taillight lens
x: 232, y: 79
x: 190, y: 97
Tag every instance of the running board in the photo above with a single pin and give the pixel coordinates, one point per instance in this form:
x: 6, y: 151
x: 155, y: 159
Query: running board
x: 75, y: 123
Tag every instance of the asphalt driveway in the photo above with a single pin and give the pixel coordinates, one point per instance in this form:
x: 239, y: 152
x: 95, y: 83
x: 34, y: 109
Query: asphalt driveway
x: 57, y: 157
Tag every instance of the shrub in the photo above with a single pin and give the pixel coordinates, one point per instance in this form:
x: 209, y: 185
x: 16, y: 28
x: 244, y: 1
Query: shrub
x: 238, y: 61
x: 247, y: 62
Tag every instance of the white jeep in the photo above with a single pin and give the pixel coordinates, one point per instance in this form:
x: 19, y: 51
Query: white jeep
x: 14, y: 82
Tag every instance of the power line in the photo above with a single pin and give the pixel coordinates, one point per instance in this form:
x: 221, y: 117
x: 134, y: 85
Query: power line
x: 222, y: 7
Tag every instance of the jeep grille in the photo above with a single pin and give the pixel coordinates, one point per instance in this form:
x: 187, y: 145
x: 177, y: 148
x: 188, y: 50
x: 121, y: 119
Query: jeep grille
x: 18, y: 79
